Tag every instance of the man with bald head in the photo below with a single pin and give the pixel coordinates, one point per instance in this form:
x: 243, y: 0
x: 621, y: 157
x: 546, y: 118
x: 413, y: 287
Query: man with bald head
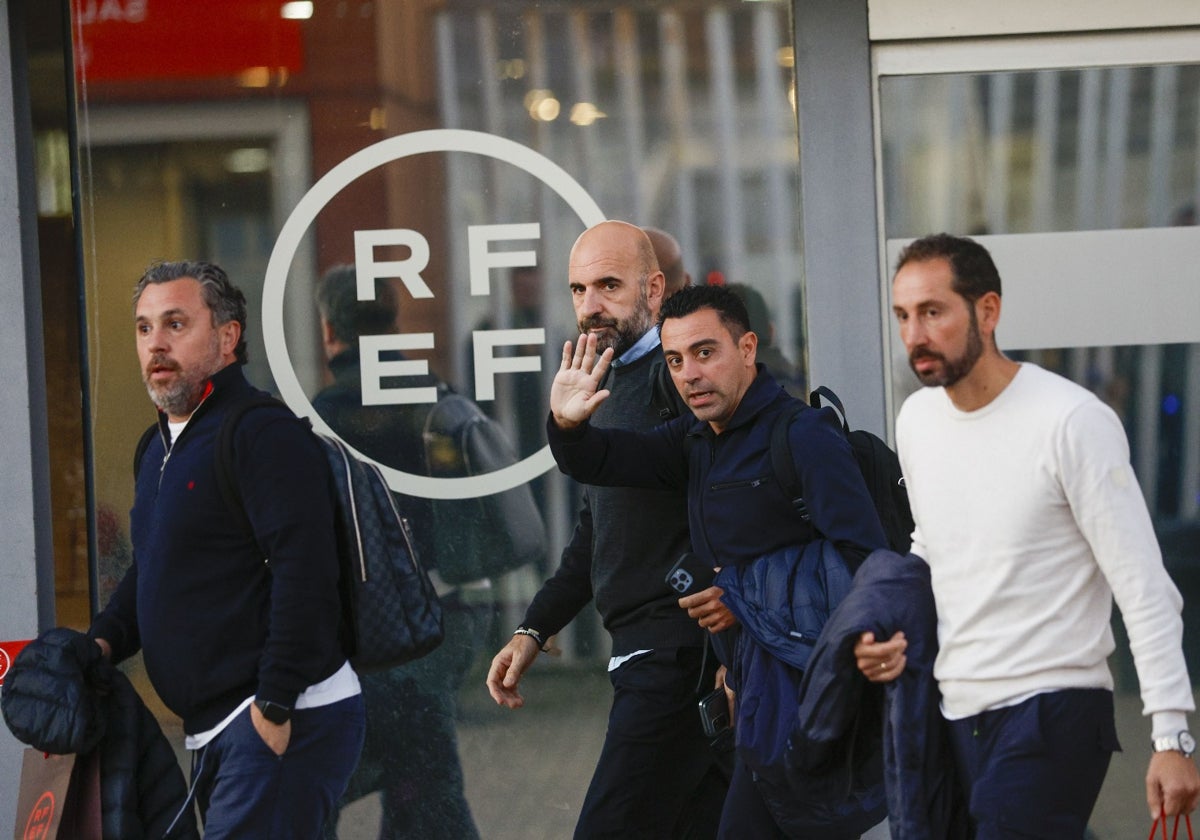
x: 656, y: 776
x: 670, y: 260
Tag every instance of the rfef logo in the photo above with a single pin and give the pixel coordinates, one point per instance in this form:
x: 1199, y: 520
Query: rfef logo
x: 41, y: 818
x: 482, y: 258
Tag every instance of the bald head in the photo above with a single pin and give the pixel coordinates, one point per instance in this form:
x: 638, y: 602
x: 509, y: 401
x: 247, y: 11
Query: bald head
x: 616, y: 286
x: 670, y: 260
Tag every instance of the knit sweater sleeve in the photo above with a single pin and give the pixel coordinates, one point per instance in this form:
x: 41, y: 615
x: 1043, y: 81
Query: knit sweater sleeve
x: 1111, y: 513
x: 570, y: 589
x: 284, y: 481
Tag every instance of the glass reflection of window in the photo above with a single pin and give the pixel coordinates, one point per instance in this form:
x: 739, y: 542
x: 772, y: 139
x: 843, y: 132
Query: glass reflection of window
x: 1041, y: 151
x: 680, y: 117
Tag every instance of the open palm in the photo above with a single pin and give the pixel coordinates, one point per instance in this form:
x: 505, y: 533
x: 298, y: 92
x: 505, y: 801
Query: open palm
x: 575, y: 393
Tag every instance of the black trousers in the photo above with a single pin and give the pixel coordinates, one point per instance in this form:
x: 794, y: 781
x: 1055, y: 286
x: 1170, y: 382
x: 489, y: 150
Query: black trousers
x: 656, y: 777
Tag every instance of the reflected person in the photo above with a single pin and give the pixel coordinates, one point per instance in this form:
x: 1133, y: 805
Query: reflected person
x: 411, y: 751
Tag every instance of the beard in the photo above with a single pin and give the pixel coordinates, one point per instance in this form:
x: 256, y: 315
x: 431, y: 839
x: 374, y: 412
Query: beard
x: 181, y: 397
x: 623, y: 332
x: 953, y: 370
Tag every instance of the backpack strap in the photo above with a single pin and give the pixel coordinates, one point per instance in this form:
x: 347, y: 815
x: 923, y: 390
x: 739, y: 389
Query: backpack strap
x: 142, y: 445
x: 824, y: 394
x: 664, y: 396
x: 782, y: 462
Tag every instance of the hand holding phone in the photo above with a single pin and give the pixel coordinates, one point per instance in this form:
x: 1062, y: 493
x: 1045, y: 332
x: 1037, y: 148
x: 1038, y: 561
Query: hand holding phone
x: 690, y: 574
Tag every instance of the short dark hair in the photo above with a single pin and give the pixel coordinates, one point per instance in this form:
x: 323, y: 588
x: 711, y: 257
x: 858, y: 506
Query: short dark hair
x: 338, y: 303
x: 224, y: 300
x: 756, y: 310
x: 729, y: 307
x: 974, y: 272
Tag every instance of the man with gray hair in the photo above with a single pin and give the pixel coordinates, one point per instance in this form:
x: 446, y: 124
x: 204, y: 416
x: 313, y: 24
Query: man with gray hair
x: 236, y: 611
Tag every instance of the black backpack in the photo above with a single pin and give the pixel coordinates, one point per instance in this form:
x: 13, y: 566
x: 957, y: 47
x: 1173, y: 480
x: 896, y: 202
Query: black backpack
x: 879, y: 465
x: 390, y: 610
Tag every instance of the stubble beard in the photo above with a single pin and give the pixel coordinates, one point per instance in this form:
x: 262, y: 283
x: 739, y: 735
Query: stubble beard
x: 951, y: 371
x: 624, y: 333
x: 181, y: 397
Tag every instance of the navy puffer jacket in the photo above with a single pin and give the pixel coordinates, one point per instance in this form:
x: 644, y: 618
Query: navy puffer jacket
x: 62, y: 697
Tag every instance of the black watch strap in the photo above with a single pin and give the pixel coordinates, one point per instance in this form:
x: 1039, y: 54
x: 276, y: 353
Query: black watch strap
x: 276, y: 713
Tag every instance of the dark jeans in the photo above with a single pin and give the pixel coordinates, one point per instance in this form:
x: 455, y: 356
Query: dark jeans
x: 1035, y: 769
x: 245, y: 790
x: 656, y: 776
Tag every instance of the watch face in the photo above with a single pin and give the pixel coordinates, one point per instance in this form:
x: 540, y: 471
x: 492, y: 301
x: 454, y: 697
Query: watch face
x: 274, y: 712
x: 1187, y: 744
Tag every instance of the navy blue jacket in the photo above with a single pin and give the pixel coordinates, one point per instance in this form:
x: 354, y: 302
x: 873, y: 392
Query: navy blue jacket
x: 215, y: 622
x: 815, y: 786
x: 889, y: 593
x: 737, y: 512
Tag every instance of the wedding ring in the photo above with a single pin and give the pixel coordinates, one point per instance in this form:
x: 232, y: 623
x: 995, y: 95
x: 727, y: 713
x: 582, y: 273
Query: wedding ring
x: 882, y: 666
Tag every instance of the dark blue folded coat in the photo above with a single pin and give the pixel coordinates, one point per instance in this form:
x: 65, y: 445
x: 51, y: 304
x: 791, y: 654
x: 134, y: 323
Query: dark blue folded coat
x: 62, y: 697
x: 782, y: 600
x: 889, y: 593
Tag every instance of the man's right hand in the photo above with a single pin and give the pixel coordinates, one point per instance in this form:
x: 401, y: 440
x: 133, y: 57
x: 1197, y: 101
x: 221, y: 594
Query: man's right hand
x: 508, y: 666
x: 575, y: 394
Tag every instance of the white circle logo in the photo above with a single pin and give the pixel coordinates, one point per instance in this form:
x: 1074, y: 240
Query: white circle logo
x: 298, y: 223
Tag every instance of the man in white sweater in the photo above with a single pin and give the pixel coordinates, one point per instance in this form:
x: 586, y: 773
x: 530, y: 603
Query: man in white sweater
x: 1031, y: 520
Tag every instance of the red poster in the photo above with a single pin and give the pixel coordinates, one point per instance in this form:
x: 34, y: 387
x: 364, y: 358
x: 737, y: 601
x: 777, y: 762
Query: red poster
x: 8, y: 652
x: 123, y: 40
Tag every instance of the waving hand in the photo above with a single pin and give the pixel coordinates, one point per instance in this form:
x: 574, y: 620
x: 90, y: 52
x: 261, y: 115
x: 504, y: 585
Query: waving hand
x: 575, y: 393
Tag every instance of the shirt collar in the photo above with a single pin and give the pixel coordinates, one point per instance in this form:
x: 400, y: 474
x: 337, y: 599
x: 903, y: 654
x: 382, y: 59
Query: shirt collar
x: 645, y: 344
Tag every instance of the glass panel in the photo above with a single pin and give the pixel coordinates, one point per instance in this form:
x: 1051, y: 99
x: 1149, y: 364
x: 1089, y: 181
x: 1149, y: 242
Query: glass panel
x: 677, y: 116
x: 1054, y: 151
x: 1041, y: 151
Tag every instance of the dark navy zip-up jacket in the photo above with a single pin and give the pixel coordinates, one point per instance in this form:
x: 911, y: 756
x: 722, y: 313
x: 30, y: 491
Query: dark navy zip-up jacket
x: 737, y: 512
x: 215, y: 622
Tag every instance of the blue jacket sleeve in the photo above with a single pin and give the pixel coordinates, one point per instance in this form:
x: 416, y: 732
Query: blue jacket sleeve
x: 621, y: 457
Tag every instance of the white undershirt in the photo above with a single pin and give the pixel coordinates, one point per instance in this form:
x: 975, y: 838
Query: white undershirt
x: 343, y: 684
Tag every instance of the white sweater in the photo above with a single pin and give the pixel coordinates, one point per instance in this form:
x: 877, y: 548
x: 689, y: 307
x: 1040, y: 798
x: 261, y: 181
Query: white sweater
x: 1031, y: 520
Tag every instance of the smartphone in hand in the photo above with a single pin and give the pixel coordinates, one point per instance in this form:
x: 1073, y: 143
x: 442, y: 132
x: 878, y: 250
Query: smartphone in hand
x: 690, y: 574
x: 714, y: 712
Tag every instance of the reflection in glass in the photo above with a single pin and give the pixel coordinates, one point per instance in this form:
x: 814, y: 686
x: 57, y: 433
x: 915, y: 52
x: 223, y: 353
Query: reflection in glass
x: 1040, y: 151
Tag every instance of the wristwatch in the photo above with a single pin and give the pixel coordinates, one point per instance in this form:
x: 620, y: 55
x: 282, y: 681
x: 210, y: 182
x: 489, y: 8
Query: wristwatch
x: 1183, y: 742
x: 277, y: 713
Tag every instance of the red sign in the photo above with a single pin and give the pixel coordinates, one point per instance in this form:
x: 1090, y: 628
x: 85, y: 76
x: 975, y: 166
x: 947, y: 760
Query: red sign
x: 8, y: 653
x: 122, y: 40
